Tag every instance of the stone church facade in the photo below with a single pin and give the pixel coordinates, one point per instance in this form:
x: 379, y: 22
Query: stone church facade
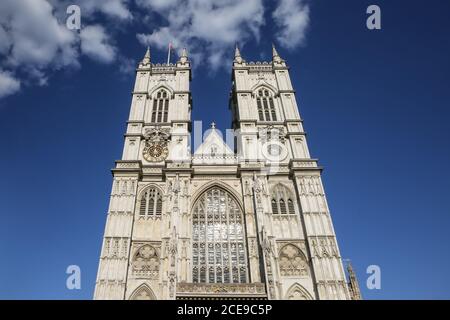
x: 244, y: 222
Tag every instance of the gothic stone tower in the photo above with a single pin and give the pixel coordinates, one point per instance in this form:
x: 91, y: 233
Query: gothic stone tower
x: 219, y: 223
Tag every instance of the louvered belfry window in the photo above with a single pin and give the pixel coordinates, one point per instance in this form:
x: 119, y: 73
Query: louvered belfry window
x: 265, y: 105
x: 282, y: 200
x: 160, y: 109
x: 151, y: 203
x: 218, y: 249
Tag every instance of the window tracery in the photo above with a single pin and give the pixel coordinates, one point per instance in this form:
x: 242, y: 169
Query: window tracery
x: 160, y: 109
x: 219, y: 251
x: 292, y: 261
x: 151, y: 203
x: 265, y: 105
x: 146, y: 261
x: 282, y: 201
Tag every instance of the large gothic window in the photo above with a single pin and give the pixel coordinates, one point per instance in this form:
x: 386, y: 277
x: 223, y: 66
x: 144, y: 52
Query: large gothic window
x: 265, y: 105
x: 160, y: 106
x: 218, y: 249
x: 151, y: 203
x: 282, y: 200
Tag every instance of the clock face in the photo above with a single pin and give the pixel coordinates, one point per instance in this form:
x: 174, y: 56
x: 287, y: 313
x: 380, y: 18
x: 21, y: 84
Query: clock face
x: 274, y: 151
x: 155, y: 152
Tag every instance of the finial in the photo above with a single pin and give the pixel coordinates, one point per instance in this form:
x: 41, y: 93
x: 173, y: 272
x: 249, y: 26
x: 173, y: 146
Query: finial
x: 184, y: 53
x: 274, y: 51
x: 183, y: 56
x: 146, y: 59
x: 213, y: 125
x: 237, y: 55
x: 275, y: 56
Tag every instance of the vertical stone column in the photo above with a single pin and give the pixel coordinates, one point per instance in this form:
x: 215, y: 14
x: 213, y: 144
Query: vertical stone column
x: 113, y: 266
x: 251, y: 231
x: 321, y: 239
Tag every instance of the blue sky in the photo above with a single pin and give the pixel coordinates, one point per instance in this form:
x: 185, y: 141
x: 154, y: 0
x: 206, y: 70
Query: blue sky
x: 375, y: 106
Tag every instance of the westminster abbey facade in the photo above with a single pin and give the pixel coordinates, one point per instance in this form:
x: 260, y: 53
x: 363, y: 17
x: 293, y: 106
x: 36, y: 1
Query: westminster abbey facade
x: 246, y: 219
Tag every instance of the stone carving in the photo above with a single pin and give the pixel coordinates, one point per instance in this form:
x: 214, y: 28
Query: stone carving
x: 146, y: 261
x: 324, y: 247
x: 172, y: 278
x: 173, y: 247
x: 142, y: 293
x: 115, y: 247
x: 292, y: 261
x: 253, y: 248
x: 260, y: 189
x: 272, y: 133
x: 296, y: 292
x: 311, y: 185
x: 156, y: 144
x: 238, y: 288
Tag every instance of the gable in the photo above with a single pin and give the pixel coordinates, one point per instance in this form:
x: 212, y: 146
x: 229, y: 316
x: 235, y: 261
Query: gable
x: 213, y: 145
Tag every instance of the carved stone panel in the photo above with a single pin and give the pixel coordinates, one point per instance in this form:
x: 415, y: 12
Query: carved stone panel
x: 146, y: 261
x: 292, y: 261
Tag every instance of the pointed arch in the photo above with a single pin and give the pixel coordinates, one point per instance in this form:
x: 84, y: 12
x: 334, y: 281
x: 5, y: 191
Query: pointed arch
x: 283, y: 200
x: 160, y: 104
x: 265, y: 85
x: 145, y: 261
x: 143, y: 292
x: 292, y: 261
x: 265, y: 103
x: 298, y: 292
x: 150, y: 201
x: 148, y: 186
x: 219, y: 251
x: 219, y: 184
x: 161, y: 87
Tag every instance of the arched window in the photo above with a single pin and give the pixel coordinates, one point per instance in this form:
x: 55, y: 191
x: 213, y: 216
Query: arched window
x: 218, y: 248
x: 265, y: 105
x: 151, y: 203
x: 160, y: 109
x: 282, y: 200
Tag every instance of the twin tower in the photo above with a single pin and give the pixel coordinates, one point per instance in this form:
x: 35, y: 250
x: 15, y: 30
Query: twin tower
x: 246, y: 222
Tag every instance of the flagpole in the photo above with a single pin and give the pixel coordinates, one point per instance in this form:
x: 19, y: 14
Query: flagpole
x: 168, y: 55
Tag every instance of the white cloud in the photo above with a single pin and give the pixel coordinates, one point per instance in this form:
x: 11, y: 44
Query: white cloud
x: 292, y: 19
x: 157, y: 4
x: 95, y: 44
x: 8, y: 84
x: 113, y: 8
x: 34, y: 42
x: 207, y: 27
x: 36, y: 37
x: 117, y: 9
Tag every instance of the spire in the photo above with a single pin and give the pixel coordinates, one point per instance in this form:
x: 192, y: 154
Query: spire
x: 353, y: 285
x: 275, y: 56
x: 146, y: 59
x: 274, y: 51
x: 237, y: 55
